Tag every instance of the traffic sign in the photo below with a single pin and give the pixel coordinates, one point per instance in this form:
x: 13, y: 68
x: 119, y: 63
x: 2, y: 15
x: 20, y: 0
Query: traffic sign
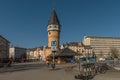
x: 53, y: 48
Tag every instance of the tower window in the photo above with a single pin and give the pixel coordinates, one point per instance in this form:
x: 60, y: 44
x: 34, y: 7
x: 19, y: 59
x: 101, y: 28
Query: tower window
x: 49, y: 33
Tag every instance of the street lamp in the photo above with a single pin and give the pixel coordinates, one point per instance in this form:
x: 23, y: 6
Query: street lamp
x: 53, y: 48
x: 79, y: 61
x: 53, y: 64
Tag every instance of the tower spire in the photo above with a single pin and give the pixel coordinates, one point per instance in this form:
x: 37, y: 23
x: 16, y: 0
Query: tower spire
x: 54, y: 19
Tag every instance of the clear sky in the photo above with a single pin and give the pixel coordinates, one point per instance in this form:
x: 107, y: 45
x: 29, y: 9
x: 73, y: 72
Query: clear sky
x: 24, y: 22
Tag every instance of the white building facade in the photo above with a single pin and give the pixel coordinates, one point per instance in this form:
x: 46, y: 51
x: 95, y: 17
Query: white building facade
x: 17, y: 53
x: 102, y: 44
x: 36, y: 54
x: 79, y: 48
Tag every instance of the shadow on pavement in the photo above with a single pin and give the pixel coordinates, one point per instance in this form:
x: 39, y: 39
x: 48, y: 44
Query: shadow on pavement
x: 21, y: 67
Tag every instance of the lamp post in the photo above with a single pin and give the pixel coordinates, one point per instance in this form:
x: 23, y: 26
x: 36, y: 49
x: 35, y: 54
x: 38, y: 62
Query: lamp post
x: 79, y: 62
x: 53, y: 48
x: 53, y: 64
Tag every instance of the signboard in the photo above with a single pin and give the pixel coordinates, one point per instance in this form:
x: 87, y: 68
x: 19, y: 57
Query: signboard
x: 53, y: 46
x: 53, y: 43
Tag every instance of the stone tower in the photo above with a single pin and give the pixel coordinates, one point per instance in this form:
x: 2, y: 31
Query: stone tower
x: 53, y: 30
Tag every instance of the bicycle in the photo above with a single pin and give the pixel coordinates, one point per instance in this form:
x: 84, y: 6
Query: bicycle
x: 101, y: 68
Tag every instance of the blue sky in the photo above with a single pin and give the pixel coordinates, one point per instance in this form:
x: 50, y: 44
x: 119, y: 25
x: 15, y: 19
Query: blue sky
x: 24, y: 22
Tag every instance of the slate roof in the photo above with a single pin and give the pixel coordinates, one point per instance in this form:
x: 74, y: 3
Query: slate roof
x: 54, y: 19
x: 67, y: 52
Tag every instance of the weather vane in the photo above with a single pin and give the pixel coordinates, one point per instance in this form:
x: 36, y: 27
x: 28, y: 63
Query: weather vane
x: 53, y: 4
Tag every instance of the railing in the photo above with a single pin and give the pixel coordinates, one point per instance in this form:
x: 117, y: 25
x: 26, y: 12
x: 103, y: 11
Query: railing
x: 88, y: 70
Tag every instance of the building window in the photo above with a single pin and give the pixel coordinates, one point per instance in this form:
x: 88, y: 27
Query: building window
x: 55, y: 26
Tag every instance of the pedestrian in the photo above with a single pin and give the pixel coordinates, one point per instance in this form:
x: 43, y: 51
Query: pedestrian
x: 10, y: 60
x: 47, y: 62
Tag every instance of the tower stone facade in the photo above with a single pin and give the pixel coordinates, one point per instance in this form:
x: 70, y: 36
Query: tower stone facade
x: 53, y: 30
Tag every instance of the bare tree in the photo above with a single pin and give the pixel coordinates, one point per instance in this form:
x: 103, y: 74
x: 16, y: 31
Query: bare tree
x: 114, y: 52
x: 101, y: 53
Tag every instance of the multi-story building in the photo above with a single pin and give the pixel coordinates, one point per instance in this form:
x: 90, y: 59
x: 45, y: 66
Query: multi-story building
x: 4, y: 47
x: 36, y: 54
x: 72, y: 45
x: 17, y: 53
x: 32, y: 54
x: 78, y: 47
x: 102, y: 45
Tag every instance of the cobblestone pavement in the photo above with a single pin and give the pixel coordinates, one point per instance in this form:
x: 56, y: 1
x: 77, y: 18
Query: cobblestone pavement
x: 59, y: 73
x: 22, y: 66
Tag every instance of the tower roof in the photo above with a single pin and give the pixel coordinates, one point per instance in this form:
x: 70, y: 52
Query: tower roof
x: 54, y: 19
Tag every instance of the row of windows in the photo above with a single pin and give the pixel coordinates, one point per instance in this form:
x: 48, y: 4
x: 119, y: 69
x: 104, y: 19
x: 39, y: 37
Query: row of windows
x: 106, y: 41
x: 105, y: 44
x: 53, y: 27
x: 106, y: 47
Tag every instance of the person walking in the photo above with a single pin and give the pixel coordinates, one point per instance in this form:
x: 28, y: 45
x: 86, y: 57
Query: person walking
x: 48, y: 63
